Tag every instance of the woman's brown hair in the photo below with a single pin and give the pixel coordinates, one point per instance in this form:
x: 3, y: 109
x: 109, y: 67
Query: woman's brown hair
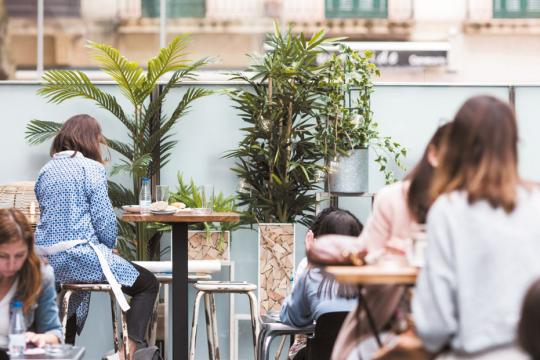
x: 14, y: 227
x: 529, y: 324
x: 80, y: 133
x: 335, y: 221
x: 480, y: 154
x: 418, y: 196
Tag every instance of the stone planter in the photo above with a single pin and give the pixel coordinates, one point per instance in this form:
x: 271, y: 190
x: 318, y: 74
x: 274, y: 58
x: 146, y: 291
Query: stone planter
x: 276, y: 265
x: 352, y: 174
x: 202, y: 248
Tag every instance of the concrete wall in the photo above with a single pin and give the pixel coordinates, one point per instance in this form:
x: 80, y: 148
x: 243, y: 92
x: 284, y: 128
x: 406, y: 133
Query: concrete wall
x: 409, y: 114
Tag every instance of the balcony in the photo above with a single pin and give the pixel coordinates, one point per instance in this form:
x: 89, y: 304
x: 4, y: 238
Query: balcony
x: 357, y: 18
x: 502, y: 17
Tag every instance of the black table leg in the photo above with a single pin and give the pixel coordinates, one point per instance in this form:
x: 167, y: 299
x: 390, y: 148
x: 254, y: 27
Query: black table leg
x: 179, y: 338
x: 369, y: 316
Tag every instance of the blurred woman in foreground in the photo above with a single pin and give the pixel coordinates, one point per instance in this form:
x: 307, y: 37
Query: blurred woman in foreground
x: 483, y: 234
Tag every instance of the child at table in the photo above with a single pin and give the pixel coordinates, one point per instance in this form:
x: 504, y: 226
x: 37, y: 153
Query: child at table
x: 315, y: 292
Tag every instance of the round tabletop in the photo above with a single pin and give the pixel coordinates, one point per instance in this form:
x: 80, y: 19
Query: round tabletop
x: 364, y: 275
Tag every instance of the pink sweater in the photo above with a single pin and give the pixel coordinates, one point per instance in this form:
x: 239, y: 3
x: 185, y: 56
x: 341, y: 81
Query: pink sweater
x: 390, y: 220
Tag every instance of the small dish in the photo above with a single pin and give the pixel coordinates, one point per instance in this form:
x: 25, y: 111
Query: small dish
x: 131, y: 208
x: 58, y: 349
x: 170, y: 210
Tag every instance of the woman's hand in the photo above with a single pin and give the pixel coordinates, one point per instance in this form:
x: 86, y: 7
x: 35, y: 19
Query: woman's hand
x: 40, y: 340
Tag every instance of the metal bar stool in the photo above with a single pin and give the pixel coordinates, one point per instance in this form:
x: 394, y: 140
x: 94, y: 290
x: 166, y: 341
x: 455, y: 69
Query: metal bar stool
x: 199, y: 269
x: 68, y: 289
x: 208, y: 289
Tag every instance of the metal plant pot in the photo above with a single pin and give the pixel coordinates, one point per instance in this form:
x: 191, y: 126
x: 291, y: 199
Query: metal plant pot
x: 352, y: 174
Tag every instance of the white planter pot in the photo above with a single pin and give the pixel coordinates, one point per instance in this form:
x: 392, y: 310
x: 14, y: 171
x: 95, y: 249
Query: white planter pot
x: 352, y: 174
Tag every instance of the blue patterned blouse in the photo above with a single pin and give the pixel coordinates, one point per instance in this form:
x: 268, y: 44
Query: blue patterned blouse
x: 75, y: 205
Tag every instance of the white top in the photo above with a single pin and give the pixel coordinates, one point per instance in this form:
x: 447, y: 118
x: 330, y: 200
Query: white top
x: 479, y: 263
x: 4, y: 314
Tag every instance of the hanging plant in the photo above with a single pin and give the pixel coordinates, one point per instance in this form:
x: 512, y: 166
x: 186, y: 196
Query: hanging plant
x: 347, y: 123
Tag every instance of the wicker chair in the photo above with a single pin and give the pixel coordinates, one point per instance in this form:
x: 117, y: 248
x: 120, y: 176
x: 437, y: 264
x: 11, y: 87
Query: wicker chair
x: 20, y: 195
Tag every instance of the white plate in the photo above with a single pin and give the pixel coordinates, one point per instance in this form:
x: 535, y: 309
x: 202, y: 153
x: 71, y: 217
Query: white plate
x: 163, y: 212
x: 131, y: 208
x: 184, y: 210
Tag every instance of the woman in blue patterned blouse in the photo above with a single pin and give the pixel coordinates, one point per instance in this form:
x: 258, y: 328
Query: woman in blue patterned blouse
x: 77, y: 230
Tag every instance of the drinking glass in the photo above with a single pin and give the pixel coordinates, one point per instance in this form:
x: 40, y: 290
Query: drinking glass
x: 418, y: 248
x: 162, y: 196
x: 206, y: 193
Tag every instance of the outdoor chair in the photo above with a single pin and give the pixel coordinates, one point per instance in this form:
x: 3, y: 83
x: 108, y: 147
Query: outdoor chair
x: 321, y: 339
x: 68, y: 289
x: 271, y: 328
x: 320, y: 344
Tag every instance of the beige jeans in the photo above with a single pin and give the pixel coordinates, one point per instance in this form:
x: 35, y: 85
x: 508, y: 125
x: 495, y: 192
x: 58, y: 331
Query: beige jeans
x: 382, y: 301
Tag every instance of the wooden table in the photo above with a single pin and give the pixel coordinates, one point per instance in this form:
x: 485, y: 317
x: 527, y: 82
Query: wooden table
x: 76, y: 353
x: 179, y: 245
x: 373, y: 275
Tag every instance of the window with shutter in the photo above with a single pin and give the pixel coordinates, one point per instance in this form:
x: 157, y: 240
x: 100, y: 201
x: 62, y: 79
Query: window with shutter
x: 356, y: 8
x: 52, y: 8
x: 504, y: 9
x: 175, y: 8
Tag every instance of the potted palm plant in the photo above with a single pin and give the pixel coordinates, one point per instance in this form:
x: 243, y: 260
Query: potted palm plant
x: 277, y: 159
x: 347, y: 130
x: 206, y: 241
x: 150, y: 131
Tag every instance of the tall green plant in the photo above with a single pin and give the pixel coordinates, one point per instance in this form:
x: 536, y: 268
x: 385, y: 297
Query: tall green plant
x: 278, y: 159
x: 346, y: 86
x: 150, y: 130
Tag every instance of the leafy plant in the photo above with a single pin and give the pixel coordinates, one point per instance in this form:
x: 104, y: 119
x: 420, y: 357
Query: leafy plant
x: 346, y: 86
x: 150, y: 131
x: 190, y: 195
x: 278, y: 159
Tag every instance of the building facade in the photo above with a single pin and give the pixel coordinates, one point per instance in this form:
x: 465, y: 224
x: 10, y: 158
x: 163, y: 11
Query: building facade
x: 487, y: 41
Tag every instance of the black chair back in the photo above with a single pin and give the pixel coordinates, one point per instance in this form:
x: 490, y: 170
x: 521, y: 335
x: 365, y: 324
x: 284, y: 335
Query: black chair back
x: 327, y: 326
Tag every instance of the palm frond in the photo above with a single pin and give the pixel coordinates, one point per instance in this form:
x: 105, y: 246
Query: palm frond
x: 138, y: 167
x: 61, y: 85
x: 120, y: 195
x: 127, y: 74
x: 177, y: 77
x: 170, y: 58
x: 126, y: 242
x: 121, y: 148
x: 39, y: 131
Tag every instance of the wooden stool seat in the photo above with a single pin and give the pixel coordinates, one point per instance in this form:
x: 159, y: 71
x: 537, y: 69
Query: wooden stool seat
x: 225, y: 286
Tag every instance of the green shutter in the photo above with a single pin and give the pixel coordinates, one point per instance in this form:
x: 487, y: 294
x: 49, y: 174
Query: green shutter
x: 175, y: 8
x: 504, y: 9
x: 356, y: 8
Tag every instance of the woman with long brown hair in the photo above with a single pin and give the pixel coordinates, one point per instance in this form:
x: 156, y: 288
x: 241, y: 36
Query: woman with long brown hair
x: 400, y: 208
x: 24, y: 278
x: 484, y: 238
x: 399, y: 211
x: 77, y: 230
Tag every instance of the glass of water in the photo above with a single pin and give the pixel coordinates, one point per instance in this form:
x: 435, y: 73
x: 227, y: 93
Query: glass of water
x: 206, y: 193
x: 162, y: 193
